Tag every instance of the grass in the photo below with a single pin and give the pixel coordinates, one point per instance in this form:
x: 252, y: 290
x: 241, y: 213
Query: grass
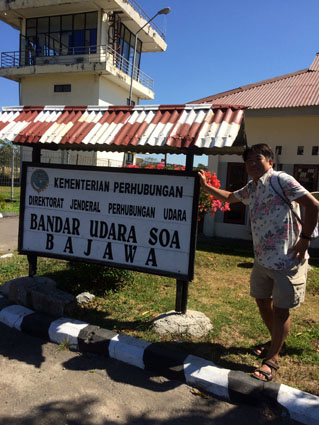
x: 6, y: 203
x: 127, y: 302
x: 63, y: 346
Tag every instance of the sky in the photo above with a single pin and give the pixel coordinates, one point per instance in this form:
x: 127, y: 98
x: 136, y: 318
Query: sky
x: 213, y: 46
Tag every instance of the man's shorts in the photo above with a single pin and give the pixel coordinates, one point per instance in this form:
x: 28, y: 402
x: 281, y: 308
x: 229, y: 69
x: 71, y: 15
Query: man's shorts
x: 286, y: 287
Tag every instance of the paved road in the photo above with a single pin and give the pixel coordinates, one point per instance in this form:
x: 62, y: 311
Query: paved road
x: 42, y: 385
x: 8, y: 234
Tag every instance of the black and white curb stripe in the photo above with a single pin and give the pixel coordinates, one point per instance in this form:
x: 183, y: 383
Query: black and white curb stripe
x: 232, y: 386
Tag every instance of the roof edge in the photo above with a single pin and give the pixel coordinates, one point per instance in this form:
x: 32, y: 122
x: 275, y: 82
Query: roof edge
x: 103, y: 108
x: 209, y: 99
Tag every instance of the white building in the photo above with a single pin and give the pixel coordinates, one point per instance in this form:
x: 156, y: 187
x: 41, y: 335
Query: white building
x: 284, y: 112
x: 76, y: 52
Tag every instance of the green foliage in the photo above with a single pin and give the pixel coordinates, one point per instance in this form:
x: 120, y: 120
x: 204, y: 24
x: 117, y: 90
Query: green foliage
x: 6, y: 149
x: 313, y: 278
x: 97, y: 279
x: 64, y: 346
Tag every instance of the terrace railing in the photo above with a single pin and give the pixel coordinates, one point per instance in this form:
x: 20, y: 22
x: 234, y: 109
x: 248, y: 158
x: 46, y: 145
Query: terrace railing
x: 74, y: 55
x: 144, y: 15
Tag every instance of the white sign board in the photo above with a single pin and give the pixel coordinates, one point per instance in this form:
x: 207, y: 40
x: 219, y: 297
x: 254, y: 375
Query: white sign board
x: 135, y: 219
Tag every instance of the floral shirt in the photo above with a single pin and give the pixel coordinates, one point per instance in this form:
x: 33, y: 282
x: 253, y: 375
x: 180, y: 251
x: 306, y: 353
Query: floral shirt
x: 274, y: 227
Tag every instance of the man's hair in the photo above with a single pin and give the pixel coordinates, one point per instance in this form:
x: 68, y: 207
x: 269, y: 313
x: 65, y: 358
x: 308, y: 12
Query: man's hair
x: 260, y: 149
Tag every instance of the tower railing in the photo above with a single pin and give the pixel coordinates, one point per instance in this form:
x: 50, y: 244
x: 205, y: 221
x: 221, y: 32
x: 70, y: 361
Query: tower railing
x: 41, y: 56
x: 144, y: 15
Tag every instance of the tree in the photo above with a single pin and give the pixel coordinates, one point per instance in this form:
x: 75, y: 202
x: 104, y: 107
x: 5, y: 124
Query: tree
x: 6, y: 149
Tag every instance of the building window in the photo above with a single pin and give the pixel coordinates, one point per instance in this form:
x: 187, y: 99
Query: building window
x: 315, y: 150
x: 129, y: 158
x: 125, y: 49
x: 307, y: 176
x: 300, y: 150
x: 61, y: 35
x: 236, y: 179
x: 278, y: 150
x: 62, y: 88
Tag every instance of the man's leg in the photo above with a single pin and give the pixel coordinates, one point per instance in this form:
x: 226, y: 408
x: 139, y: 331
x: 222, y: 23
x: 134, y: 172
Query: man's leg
x: 266, y: 311
x: 279, y: 330
x: 281, y: 327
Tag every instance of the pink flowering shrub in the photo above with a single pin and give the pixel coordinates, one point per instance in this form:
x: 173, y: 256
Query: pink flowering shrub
x: 206, y: 202
x: 209, y: 202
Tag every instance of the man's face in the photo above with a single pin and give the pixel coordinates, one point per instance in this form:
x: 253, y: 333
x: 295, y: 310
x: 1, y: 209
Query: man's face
x: 257, y: 165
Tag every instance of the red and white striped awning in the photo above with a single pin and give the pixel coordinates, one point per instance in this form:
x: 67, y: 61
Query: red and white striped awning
x: 184, y: 129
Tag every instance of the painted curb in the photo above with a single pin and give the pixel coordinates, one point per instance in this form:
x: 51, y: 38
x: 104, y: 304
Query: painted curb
x: 8, y: 214
x: 232, y: 386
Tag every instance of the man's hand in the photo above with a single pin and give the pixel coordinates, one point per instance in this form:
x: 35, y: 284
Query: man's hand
x: 203, y: 181
x: 299, y: 249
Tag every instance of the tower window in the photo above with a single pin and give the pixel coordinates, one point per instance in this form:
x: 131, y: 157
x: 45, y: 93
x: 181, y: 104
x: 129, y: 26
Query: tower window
x: 315, y: 150
x: 62, y: 88
x: 61, y: 34
x: 300, y: 150
x: 125, y: 47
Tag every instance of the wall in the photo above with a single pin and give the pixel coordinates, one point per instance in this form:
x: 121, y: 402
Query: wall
x: 39, y: 90
x: 288, y: 131
x: 85, y: 90
x: 110, y: 93
x: 288, y: 128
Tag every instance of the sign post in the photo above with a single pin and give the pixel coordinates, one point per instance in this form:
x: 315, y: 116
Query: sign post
x: 33, y: 258
x: 141, y: 220
x: 182, y: 285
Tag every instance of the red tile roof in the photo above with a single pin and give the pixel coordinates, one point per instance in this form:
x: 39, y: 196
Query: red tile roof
x: 292, y: 90
x: 167, y: 128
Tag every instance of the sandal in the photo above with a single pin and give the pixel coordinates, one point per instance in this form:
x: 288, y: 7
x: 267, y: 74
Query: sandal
x: 260, y: 350
x: 267, y: 376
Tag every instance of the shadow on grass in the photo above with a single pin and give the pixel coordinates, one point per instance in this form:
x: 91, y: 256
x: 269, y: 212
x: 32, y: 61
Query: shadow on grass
x: 246, y: 265
x: 239, y: 247
x: 99, y: 318
x: 81, y: 277
x: 225, y: 246
x: 222, y: 356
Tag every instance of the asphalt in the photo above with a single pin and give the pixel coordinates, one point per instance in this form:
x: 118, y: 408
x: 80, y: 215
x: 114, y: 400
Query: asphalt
x: 232, y: 386
x: 9, y: 223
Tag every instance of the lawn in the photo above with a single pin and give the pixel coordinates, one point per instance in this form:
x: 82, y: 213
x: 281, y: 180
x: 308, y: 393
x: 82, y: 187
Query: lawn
x: 6, y: 203
x: 128, y: 301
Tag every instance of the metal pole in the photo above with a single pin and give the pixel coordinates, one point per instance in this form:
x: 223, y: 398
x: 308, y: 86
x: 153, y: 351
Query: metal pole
x: 12, y: 175
x: 181, y: 296
x: 36, y: 154
x: 33, y: 258
x: 182, y: 285
x: 133, y: 66
x: 164, y: 11
x: 189, y: 162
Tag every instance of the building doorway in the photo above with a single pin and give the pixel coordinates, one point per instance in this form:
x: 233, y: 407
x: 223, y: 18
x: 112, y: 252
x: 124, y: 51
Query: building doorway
x: 236, y: 179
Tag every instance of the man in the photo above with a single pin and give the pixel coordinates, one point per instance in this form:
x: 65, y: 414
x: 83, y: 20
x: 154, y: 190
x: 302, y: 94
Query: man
x: 280, y: 242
